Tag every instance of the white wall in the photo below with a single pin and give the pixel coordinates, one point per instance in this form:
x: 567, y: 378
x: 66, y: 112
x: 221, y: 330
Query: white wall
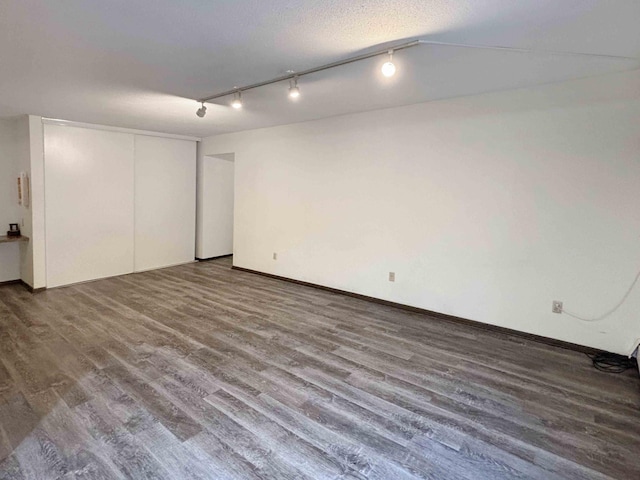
x: 165, y: 202
x: 34, y: 271
x: 9, y: 208
x: 215, y: 206
x: 486, y: 207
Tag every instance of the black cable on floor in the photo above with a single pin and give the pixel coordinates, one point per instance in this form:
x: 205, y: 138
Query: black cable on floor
x: 612, y: 363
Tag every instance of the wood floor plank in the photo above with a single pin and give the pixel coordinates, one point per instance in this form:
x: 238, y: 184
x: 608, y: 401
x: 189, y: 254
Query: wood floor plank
x: 181, y: 461
x: 173, y: 418
x: 83, y: 458
x: 10, y: 469
x: 203, y: 372
x: 300, y: 454
x: 39, y: 456
x: 123, y: 450
x: 17, y: 418
x: 258, y: 455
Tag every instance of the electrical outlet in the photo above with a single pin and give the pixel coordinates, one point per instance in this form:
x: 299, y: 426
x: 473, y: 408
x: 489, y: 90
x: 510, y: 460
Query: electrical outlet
x: 556, y: 306
x: 392, y: 276
x: 275, y: 256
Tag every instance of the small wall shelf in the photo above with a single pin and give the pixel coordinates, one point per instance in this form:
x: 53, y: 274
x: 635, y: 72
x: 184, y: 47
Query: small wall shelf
x: 5, y: 239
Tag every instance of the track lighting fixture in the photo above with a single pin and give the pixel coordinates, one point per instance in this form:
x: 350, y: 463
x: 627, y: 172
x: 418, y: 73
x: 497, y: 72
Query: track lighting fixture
x: 202, y: 111
x: 237, y: 100
x: 294, y: 91
x: 389, y: 69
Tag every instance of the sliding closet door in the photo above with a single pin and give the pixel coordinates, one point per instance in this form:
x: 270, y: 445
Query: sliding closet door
x: 165, y: 202
x: 89, y: 203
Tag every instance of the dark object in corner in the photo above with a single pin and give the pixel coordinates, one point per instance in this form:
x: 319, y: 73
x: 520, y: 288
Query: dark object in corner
x: 612, y: 362
x: 14, y: 230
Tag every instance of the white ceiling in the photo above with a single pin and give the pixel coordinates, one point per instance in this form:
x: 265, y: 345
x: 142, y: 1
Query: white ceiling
x: 141, y: 63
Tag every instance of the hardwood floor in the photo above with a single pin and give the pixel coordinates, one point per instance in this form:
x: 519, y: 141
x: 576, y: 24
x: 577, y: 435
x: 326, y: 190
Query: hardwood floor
x: 201, y: 372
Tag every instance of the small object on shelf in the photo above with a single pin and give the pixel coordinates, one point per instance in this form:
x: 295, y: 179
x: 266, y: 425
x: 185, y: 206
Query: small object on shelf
x: 14, y: 230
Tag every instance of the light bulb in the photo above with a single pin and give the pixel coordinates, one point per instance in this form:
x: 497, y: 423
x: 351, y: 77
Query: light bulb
x: 237, y: 101
x: 294, y: 91
x: 389, y: 69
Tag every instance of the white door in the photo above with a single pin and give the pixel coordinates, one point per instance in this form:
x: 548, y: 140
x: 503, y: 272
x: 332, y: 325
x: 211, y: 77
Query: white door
x: 165, y: 202
x: 89, y: 204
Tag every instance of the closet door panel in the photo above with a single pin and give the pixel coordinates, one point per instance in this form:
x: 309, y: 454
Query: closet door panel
x: 165, y: 202
x: 89, y: 200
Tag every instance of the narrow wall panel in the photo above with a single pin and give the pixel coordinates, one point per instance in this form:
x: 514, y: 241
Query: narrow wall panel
x: 89, y: 204
x: 165, y: 196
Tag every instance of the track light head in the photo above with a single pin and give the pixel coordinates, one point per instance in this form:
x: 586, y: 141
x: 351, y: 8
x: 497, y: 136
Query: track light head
x: 389, y: 69
x: 202, y: 111
x: 294, y: 90
x: 237, y: 100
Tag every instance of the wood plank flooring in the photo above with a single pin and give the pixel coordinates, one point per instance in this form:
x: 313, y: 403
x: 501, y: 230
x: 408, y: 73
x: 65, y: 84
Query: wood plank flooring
x: 202, y: 372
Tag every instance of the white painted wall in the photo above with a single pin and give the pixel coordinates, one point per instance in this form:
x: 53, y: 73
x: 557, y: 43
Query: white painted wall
x: 215, y: 206
x: 486, y: 207
x: 89, y: 204
x: 33, y: 253
x: 9, y: 208
x: 165, y: 202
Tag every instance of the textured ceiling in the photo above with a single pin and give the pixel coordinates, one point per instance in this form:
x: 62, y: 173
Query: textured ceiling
x: 141, y: 63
